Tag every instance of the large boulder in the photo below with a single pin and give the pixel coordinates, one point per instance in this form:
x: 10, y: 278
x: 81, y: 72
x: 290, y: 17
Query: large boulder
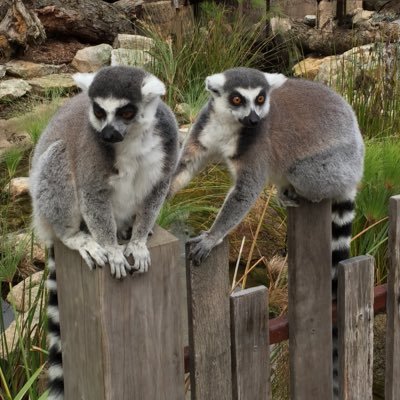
x: 92, y: 58
x: 134, y: 42
x: 59, y: 83
x: 131, y: 57
x: 13, y: 89
x: 27, y: 69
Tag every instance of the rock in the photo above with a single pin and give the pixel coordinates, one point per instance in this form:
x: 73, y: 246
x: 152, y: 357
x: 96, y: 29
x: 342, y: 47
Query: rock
x: 2, y: 71
x: 308, y: 68
x: 134, y: 42
x: 310, y: 20
x: 7, y: 313
x: 13, y: 89
x: 92, y: 58
x: 11, y: 334
x: 361, y: 17
x: 371, y: 63
x: 133, y: 58
x: 17, y: 187
x: 56, y: 82
x: 27, y: 69
x: 280, y: 25
x: 11, y: 136
x: 24, y: 293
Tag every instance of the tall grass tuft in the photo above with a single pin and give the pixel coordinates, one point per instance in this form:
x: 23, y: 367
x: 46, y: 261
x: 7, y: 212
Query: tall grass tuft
x: 219, y: 39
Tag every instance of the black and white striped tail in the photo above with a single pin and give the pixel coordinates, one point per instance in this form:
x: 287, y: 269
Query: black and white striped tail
x: 55, y: 371
x: 342, y: 217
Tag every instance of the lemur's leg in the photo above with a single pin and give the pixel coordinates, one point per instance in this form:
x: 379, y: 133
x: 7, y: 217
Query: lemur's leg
x: 143, y: 224
x: 249, y: 183
x: 192, y: 159
x: 65, y: 214
x: 288, y: 197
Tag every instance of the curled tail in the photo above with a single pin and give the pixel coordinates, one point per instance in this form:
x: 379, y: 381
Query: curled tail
x: 55, y: 371
x: 342, y: 218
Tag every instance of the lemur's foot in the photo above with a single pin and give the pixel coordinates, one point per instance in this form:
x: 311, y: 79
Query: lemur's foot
x: 288, y: 197
x: 201, y: 247
x: 140, y: 253
x: 119, y: 265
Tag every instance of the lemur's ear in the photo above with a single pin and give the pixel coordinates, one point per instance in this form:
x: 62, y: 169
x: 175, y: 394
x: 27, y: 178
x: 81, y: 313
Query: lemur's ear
x: 152, y: 87
x: 215, y: 83
x: 275, y: 80
x: 84, y: 80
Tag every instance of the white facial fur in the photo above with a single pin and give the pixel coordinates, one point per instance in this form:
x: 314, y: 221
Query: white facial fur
x: 109, y: 105
x: 251, y: 95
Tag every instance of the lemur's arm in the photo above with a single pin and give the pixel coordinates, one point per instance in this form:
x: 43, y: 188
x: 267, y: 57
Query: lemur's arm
x: 144, y: 222
x: 193, y: 158
x: 249, y: 184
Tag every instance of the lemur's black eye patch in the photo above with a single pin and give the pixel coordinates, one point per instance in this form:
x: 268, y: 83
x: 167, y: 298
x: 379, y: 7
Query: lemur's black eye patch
x: 127, y: 112
x: 98, y: 111
x: 236, y: 99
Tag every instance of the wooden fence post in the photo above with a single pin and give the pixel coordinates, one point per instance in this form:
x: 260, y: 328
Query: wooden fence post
x: 209, y: 326
x: 250, y: 344
x: 355, y: 317
x: 122, y: 340
x: 392, y: 381
x: 310, y: 297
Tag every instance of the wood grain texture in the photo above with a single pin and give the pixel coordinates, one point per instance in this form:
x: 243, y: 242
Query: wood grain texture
x: 250, y: 347
x: 122, y: 340
x: 355, y: 319
x: 209, y: 326
x: 392, y: 381
x: 310, y: 309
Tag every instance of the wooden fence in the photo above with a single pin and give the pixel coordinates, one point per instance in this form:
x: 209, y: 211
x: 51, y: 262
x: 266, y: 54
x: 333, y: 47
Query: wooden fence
x: 122, y: 340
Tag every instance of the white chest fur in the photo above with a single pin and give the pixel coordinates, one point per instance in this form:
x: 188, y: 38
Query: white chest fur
x: 221, y: 136
x: 139, y: 161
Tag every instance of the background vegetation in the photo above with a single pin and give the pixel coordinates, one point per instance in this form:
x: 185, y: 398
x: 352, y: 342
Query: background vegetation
x: 183, y: 65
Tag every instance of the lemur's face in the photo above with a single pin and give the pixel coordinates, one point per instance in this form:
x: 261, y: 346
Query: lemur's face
x: 122, y: 100
x: 241, y: 93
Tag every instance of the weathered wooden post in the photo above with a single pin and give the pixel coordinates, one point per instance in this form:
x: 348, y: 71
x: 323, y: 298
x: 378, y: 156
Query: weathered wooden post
x: 250, y: 344
x: 122, y: 340
x: 392, y: 381
x: 310, y: 309
x: 355, y: 318
x: 209, y: 326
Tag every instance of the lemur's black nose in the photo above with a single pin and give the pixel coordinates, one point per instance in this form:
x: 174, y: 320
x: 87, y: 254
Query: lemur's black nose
x: 111, y: 135
x: 251, y: 120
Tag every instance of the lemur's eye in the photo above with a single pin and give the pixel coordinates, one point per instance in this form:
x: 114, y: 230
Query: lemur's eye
x: 236, y: 101
x: 127, y: 114
x: 261, y: 99
x: 98, y: 112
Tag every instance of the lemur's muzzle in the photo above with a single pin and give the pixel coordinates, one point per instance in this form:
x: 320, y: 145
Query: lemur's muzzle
x: 111, y: 135
x: 251, y: 120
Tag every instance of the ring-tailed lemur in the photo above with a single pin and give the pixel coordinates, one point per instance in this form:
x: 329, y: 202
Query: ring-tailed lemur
x: 102, y: 167
x: 299, y: 135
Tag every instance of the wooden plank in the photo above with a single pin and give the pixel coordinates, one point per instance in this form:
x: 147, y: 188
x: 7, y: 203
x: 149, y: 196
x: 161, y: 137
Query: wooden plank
x: 355, y: 321
x: 122, y: 340
x: 250, y: 347
x: 310, y: 309
x: 392, y: 381
x: 209, y: 326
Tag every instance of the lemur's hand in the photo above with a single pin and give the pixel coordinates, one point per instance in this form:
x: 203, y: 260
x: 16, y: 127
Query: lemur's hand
x: 140, y: 253
x: 201, y: 247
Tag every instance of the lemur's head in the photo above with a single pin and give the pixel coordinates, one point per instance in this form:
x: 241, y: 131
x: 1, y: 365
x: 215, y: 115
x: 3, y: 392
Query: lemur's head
x: 243, y: 93
x: 120, y: 98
